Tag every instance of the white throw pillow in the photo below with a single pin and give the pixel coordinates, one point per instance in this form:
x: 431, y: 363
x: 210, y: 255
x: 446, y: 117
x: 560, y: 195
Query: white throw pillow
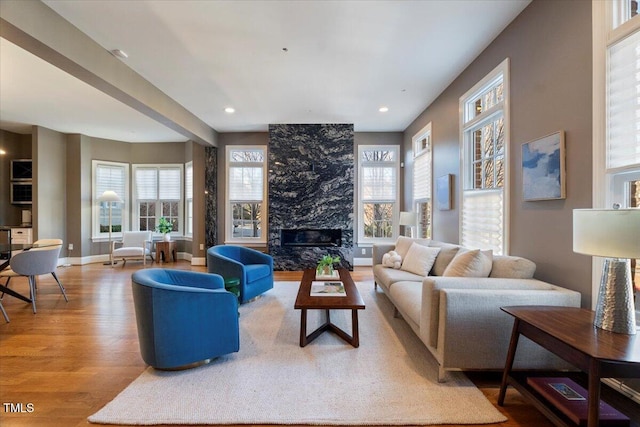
x: 419, y: 259
x: 404, y: 243
x: 470, y: 263
x: 391, y: 260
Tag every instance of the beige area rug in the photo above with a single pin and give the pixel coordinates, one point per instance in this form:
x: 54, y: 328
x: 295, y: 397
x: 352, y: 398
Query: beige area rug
x: 391, y: 379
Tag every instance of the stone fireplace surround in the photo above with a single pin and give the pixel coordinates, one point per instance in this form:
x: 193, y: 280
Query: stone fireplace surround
x: 311, y: 187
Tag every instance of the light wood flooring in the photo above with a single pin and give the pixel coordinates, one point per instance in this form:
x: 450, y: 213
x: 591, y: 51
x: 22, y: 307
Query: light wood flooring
x: 70, y: 359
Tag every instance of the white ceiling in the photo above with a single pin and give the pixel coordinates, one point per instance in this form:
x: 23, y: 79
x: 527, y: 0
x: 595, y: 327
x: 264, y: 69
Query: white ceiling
x: 344, y: 60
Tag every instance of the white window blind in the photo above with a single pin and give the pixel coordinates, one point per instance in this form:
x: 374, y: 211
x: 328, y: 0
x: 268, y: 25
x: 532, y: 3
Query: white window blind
x: 146, y: 182
x: 623, y: 98
x: 482, y: 219
x: 422, y: 177
x: 245, y: 183
x: 110, y: 177
x: 379, y: 183
x: 170, y: 183
x: 188, y: 181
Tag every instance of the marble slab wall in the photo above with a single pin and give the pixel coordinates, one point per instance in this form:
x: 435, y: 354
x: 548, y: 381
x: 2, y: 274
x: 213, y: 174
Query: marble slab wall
x: 211, y: 196
x: 311, y: 185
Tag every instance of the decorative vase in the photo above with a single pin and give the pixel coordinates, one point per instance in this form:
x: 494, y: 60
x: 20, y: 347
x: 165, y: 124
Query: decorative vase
x: 167, y: 237
x: 325, y: 270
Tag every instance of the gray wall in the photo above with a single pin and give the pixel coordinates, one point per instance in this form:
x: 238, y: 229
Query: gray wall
x: 549, y: 46
x: 49, y: 189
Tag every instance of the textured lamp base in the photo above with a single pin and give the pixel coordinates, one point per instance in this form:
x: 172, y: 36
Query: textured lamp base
x: 615, y: 311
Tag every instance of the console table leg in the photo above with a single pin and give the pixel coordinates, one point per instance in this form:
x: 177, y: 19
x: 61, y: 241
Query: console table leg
x: 511, y: 355
x: 593, y: 418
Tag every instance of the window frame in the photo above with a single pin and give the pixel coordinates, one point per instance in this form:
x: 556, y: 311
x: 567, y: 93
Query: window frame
x: 395, y: 229
x: 469, y: 123
x: 96, y: 235
x: 248, y: 241
x: 188, y: 201
x: 135, y: 202
x: 419, y: 152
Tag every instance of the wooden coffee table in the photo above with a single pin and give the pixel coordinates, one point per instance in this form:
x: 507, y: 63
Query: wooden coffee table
x: 352, y: 301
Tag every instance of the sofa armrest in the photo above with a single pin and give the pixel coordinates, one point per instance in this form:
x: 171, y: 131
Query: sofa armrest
x: 380, y: 249
x: 474, y: 332
x: 494, y: 288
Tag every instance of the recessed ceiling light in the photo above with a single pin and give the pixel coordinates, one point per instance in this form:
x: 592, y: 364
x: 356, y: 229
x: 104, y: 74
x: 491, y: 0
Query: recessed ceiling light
x: 118, y: 53
x: 230, y: 110
x: 383, y: 109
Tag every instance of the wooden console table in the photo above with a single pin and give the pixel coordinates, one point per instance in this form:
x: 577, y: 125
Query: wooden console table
x: 569, y: 333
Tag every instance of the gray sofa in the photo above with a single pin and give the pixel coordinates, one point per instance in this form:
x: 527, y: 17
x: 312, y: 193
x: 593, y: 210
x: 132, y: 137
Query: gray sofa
x: 459, y: 318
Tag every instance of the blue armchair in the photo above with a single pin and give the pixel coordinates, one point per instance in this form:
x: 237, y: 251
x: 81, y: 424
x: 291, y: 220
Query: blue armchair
x: 253, y: 268
x: 184, y: 318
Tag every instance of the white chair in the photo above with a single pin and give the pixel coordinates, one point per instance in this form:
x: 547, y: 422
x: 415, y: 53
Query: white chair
x: 134, y: 245
x: 35, y: 262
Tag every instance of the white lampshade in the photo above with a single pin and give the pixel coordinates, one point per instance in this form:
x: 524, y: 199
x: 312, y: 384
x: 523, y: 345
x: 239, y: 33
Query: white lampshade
x: 612, y: 233
x: 109, y: 196
x: 407, y: 218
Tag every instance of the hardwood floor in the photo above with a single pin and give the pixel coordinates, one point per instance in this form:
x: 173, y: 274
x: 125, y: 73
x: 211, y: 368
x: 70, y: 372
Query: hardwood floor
x: 64, y: 363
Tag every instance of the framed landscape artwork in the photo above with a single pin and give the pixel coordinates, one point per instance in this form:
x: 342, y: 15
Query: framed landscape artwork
x: 543, y: 168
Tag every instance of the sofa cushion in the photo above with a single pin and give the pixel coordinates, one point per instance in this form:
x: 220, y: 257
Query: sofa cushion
x: 446, y: 254
x: 404, y: 243
x: 407, y: 297
x: 419, y: 259
x: 470, y: 263
x: 512, y: 267
x: 387, y: 276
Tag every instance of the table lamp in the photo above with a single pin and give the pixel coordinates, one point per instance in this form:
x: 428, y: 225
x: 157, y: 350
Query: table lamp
x: 408, y: 219
x: 110, y: 196
x: 615, y: 235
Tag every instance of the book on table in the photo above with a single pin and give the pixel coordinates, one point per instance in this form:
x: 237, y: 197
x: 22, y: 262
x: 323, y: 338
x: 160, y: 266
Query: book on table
x: 572, y: 399
x: 327, y: 289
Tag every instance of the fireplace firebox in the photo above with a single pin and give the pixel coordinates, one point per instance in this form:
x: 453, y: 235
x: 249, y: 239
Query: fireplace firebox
x: 310, y: 237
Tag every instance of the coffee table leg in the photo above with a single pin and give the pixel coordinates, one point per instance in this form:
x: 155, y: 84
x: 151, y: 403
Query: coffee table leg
x: 303, y: 327
x: 354, y: 326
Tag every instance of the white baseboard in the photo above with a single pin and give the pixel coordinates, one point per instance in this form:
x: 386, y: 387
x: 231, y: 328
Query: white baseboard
x: 94, y: 259
x: 198, y: 260
x: 362, y: 262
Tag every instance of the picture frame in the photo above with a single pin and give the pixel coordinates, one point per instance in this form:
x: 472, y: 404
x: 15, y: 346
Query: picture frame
x: 443, y: 192
x: 543, y: 168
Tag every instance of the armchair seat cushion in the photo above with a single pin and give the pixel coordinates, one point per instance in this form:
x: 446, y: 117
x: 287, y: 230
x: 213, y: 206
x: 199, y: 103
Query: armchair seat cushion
x: 130, y: 252
x: 257, y: 271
